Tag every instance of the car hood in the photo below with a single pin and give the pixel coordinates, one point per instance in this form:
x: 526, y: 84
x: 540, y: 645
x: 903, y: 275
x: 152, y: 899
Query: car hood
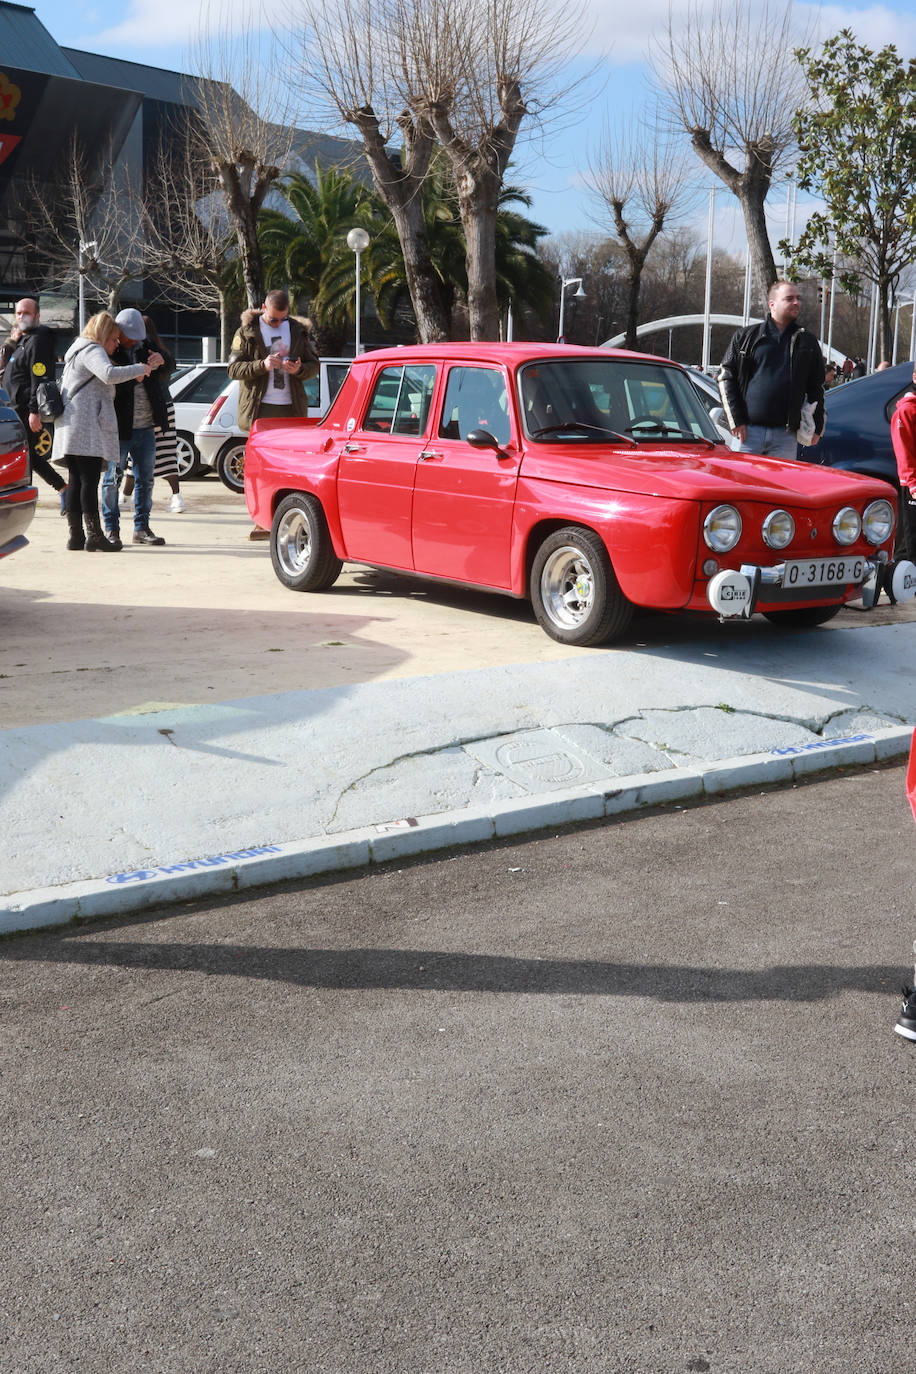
x: 695, y: 474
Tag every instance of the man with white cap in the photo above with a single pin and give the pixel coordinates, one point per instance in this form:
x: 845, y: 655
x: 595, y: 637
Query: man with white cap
x: 139, y: 406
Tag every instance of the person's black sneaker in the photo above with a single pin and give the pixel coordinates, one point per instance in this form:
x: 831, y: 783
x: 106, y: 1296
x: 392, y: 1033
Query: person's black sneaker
x: 906, y: 1021
x: 147, y: 537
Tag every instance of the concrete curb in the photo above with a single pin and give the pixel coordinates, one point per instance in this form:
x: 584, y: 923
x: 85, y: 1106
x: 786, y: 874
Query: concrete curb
x: 218, y: 875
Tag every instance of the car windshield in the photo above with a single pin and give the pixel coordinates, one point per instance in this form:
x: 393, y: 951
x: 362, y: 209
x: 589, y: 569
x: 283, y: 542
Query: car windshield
x: 593, y: 400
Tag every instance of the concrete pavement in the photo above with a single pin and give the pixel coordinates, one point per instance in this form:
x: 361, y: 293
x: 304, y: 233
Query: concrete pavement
x: 153, y: 802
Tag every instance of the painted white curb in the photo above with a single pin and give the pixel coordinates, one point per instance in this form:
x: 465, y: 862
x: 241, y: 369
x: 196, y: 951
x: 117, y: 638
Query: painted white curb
x: 221, y: 874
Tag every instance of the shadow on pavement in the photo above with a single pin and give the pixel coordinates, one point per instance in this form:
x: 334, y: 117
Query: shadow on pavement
x: 436, y: 971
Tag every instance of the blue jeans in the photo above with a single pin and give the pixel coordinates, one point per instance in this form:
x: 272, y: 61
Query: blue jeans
x: 773, y: 443
x: 141, y: 449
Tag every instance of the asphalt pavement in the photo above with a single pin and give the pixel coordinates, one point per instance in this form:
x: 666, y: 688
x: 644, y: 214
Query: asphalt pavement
x: 623, y: 1101
x: 163, y: 800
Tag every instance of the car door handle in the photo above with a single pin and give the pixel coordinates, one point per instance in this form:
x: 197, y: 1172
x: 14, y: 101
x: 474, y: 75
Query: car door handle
x: 354, y: 448
x: 426, y: 454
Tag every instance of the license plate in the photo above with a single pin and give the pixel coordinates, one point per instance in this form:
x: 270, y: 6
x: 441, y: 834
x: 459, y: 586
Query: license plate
x: 823, y: 572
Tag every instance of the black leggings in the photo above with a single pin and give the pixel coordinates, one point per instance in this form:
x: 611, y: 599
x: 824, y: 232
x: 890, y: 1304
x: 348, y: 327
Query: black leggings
x: 83, y: 490
x: 907, y: 516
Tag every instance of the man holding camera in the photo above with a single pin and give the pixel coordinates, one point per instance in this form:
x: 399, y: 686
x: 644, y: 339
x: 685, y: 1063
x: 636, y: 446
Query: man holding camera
x: 271, y: 358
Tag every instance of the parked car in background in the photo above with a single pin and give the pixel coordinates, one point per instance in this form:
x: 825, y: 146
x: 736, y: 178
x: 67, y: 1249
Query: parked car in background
x: 193, y: 390
x: 591, y: 481
x: 220, y: 442
x: 18, y: 498
x: 857, y: 434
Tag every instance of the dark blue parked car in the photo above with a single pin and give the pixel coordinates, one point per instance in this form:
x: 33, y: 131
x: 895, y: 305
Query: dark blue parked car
x: 857, y: 435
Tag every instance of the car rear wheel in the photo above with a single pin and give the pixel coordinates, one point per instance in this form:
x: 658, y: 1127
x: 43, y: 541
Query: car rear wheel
x: 574, y: 590
x: 189, y: 464
x: 230, y: 464
x: 300, y: 545
x: 803, y: 618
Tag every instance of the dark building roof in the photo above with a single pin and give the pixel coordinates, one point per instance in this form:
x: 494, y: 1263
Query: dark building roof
x: 26, y: 43
x: 155, y: 83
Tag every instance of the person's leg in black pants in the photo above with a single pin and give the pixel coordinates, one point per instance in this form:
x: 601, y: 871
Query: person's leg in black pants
x: 908, y: 521
x: 77, y: 539
x: 90, y: 475
x: 40, y: 454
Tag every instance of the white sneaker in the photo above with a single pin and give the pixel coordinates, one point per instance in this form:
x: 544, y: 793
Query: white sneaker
x: 176, y: 505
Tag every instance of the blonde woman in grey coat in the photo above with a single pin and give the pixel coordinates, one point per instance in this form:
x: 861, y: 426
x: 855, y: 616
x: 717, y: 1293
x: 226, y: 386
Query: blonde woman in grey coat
x: 86, y: 435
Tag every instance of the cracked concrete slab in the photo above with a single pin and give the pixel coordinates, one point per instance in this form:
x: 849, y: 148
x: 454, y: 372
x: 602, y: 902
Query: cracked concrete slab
x: 426, y: 785
x: 712, y: 733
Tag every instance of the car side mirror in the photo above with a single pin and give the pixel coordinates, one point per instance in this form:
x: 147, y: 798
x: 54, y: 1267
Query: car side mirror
x: 482, y: 438
x: 717, y: 415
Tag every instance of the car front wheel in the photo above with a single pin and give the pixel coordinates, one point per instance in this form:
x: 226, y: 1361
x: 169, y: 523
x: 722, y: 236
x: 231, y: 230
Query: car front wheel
x: 574, y: 590
x: 300, y: 545
x: 230, y: 464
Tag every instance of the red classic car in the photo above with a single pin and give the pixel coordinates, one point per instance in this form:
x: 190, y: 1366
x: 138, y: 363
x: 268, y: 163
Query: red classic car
x: 18, y: 498
x: 590, y: 480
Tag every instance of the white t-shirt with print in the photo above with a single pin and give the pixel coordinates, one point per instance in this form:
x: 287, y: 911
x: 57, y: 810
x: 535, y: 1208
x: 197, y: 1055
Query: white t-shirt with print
x: 276, y: 340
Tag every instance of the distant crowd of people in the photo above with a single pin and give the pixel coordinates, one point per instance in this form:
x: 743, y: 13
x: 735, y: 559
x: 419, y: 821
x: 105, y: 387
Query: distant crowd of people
x: 116, y: 432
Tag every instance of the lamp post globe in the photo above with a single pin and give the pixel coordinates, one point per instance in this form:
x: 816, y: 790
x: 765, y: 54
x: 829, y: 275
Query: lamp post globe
x: 357, y: 242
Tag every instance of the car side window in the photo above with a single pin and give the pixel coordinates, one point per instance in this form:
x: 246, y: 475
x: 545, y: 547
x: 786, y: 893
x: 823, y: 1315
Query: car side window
x: 400, y: 400
x: 312, y: 388
x: 204, y: 389
x: 475, y: 398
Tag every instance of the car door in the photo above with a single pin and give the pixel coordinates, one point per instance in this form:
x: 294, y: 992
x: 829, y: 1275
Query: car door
x: 464, y: 496
x: 378, y: 458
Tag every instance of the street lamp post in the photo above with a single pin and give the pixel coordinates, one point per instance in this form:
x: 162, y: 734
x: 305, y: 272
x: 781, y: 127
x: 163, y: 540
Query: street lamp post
x: 358, y: 242
x: 579, y: 296
x: 83, y: 250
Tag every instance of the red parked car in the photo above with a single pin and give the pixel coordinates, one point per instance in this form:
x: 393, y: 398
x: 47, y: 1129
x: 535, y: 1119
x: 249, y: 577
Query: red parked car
x: 18, y: 498
x: 590, y: 480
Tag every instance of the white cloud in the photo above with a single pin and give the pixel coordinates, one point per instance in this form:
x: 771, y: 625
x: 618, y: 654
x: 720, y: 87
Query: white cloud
x: 172, y: 22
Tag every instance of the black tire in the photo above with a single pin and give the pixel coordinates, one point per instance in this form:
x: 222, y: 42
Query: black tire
x: 189, y: 464
x: 230, y: 464
x: 574, y: 590
x: 300, y: 545
x: 804, y: 618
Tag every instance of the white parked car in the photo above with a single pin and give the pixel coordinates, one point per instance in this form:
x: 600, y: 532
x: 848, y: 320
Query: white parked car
x: 193, y: 391
x: 220, y: 442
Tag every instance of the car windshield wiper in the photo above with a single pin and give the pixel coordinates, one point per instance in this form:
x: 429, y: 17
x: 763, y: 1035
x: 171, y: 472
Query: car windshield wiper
x: 580, y: 424
x: 658, y: 427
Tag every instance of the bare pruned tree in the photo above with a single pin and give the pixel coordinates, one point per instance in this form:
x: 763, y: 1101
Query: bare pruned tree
x: 475, y: 69
x: 245, y: 122
x: 190, y: 227
x: 96, y: 203
x: 463, y: 73
x: 346, y: 52
x: 642, y: 186
x: 729, y: 77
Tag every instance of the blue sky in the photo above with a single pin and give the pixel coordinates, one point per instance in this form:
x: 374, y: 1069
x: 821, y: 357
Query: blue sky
x: 550, y: 167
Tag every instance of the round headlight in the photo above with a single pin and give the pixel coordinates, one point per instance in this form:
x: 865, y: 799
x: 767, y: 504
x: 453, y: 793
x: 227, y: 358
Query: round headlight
x: 847, y: 525
x: 878, y: 522
x: 778, y: 529
x: 722, y: 528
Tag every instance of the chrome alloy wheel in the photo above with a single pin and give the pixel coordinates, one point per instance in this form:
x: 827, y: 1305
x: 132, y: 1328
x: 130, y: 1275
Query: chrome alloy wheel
x: 294, y: 542
x: 568, y: 587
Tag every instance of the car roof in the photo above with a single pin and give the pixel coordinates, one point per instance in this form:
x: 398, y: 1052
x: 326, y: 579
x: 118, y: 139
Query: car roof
x: 511, y: 353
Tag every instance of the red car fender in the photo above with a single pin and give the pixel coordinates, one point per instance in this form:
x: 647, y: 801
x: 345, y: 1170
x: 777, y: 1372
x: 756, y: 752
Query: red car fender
x: 651, y: 540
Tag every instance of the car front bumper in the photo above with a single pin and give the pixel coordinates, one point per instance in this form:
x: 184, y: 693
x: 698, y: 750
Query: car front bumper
x: 737, y: 594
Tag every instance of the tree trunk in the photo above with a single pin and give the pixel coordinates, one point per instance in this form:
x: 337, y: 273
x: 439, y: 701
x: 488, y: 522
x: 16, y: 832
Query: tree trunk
x: 225, y: 329
x: 634, y: 283
x: 244, y: 220
x: 400, y: 186
x: 763, y: 265
x: 478, y: 203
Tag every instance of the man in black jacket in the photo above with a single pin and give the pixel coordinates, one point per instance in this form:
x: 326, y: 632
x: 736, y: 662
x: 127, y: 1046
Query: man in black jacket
x: 769, y: 372
x: 31, y: 364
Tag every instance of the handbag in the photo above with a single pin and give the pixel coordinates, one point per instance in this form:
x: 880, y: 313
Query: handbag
x: 50, y: 402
